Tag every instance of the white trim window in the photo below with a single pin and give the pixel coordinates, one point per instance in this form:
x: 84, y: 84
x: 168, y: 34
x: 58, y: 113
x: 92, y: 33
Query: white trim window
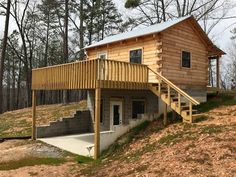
x: 136, y: 55
x: 102, y: 55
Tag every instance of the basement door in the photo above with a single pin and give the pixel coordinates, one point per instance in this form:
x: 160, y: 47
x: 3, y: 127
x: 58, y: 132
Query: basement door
x: 115, y: 114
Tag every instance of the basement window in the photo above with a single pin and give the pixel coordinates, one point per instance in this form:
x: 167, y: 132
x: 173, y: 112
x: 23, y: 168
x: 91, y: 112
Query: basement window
x: 138, y: 107
x: 135, y: 56
x: 186, y: 59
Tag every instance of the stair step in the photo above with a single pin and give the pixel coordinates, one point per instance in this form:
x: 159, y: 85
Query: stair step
x: 175, y: 98
x: 171, y: 95
x: 184, y: 107
x: 194, y: 111
x: 181, y: 104
x: 162, y: 88
x: 195, y: 117
x: 155, y: 84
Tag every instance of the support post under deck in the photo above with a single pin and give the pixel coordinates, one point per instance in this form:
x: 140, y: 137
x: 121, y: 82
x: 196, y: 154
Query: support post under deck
x: 33, y: 136
x: 165, y: 115
x: 97, y: 123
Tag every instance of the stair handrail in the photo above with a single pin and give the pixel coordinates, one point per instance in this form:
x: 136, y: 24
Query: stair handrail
x: 173, y: 86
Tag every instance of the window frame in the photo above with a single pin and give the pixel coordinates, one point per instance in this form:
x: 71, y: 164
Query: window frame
x: 138, y: 48
x: 138, y: 99
x: 184, y: 67
x: 102, y: 52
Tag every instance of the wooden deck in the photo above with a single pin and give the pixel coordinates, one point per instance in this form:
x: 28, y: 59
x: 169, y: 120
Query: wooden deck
x: 88, y: 74
x: 98, y: 74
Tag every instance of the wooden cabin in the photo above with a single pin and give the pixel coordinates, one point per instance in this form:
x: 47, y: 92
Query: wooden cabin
x: 138, y: 75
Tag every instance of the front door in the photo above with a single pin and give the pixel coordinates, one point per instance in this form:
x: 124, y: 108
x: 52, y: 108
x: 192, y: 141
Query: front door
x: 116, y: 113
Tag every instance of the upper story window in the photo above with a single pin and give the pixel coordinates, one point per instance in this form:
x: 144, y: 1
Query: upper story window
x: 102, y: 55
x: 135, y: 56
x: 186, y: 59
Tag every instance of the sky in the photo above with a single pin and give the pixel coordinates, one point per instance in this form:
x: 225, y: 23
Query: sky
x: 220, y: 35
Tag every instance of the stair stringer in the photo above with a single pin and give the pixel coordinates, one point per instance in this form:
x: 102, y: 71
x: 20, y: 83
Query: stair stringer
x: 173, y: 105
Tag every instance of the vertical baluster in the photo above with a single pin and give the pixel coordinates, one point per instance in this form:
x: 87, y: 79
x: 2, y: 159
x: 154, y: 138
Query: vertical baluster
x: 190, y: 112
x: 179, y: 102
x: 159, y: 88
x: 108, y: 71
x: 98, y: 69
x: 168, y: 88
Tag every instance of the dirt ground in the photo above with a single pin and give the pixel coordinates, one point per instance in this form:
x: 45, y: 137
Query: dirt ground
x: 63, y: 170
x: 17, y: 150
x: 207, y: 148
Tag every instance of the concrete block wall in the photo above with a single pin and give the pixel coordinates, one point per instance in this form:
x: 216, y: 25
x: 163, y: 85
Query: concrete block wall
x: 80, y: 123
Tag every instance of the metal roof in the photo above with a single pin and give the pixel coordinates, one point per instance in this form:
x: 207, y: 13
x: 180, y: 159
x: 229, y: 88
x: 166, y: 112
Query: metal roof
x: 138, y: 32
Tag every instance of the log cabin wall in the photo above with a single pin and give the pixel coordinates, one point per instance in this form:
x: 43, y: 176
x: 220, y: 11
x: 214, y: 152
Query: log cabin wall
x: 182, y: 37
x: 149, y: 44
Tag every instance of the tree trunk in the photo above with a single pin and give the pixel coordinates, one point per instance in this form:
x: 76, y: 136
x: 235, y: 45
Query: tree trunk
x: 81, y: 30
x: 8, y: 99
x: 4, y: 46
x: 65, y: 45
x: 18, y: 87
x: 13, y: 85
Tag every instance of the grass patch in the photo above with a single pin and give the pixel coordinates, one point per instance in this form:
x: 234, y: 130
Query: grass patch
x: 116, y: 147
x: 169, y: 138
x: 83, y: 159
x: 212, y: 129
x: 30, y: 162
x: 215, y: 101
x: 200, y: 119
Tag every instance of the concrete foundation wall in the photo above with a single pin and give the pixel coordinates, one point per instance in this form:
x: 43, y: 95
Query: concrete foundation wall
x: 80, y: 123
x: 199, y: 95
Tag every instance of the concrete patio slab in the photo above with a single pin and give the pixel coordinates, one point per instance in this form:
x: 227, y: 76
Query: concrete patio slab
x: 81, y: 144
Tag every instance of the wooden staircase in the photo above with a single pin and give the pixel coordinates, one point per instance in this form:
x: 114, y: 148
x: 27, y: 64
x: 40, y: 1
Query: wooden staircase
x: 175, y: 98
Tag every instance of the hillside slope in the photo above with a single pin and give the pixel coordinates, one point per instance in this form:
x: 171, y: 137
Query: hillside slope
x: 207, y: 148
x: 18, y: 122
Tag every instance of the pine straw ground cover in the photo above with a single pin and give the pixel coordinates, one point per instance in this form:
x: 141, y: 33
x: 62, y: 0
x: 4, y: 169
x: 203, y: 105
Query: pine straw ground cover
x: 207, y: 148
x: 18, y: 123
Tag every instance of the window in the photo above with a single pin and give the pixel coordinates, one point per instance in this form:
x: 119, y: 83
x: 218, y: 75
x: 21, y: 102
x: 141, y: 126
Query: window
x: 186, y: 59
x: 102, y: 55
x: 138, y: 107
x: 135, y: 56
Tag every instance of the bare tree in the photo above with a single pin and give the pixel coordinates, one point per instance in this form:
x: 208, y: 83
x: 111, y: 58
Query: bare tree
x: 65, y: 45
x: 211, y: 12
x: 3, y: 53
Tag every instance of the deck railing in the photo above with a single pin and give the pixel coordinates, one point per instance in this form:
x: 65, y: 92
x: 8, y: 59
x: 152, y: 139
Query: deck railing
x: 85, y: 74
